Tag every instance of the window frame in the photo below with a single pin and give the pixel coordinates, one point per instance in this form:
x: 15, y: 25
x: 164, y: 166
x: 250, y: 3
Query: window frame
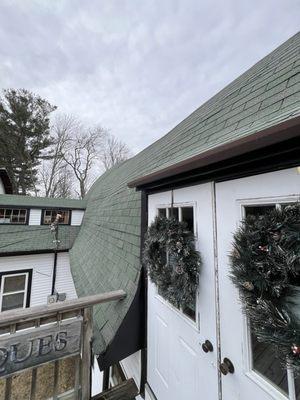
x: 195, y: 323
x: 191, y: 204
x: 26, y: 291
x: 44, y: 210
x: 16, y: 208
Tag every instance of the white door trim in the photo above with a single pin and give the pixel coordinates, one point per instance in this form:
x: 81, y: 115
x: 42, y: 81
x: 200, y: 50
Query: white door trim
x: 217, y: 287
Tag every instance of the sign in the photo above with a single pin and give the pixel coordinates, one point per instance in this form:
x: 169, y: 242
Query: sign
x: 32, y: 347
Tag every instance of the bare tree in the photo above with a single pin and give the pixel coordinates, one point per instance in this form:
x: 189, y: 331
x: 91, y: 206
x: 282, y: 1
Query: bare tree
x: 82, y: 154
x: 55, y: 175
x: 114, y: 151
x: 64, y: 186
x: 77, y: 156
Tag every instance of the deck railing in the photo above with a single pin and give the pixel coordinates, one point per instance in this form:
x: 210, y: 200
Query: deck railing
x: 48, y: 334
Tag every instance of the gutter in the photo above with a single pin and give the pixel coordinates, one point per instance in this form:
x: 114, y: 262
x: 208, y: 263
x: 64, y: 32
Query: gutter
x: 283, y: 131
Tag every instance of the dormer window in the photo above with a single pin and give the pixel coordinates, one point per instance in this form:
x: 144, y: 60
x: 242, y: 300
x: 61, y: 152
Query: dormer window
x: 49, y: 216
x: 13, y: 216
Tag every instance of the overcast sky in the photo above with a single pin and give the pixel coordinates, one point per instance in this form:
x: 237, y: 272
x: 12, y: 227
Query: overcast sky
x: 137, y: 67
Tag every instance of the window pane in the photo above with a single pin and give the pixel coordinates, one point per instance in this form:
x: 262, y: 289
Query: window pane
x: 11, y: 301
x: 297, y: 387
x: 190, y: 311
x: 173, y: 212
x: 162, y: 212
x: 188, y: 217
x: 14, y: 283
x: 258, y: 210
x: 64, y: 217
x: 265, y: 362
x: 15, y: 216
x: 264, y: 359
x: 50, y: 215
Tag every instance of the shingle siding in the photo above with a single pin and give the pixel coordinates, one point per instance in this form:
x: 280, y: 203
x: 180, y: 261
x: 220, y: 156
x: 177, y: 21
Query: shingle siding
x: 42, y: 202
x: 26, y: 239
x: 105, y: 255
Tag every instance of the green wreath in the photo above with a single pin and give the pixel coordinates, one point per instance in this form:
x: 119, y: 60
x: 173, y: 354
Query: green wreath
x: 172, y: 261
x: 266, y: 270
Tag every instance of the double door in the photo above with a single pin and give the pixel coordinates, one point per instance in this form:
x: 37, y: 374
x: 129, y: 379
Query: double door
x: 178, y: 367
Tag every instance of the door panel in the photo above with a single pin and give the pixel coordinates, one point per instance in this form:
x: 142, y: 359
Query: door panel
x: 249, y: 380
x: 177, y: 367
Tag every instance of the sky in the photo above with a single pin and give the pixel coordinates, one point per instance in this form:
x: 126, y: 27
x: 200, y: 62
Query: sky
x: 136, y: 67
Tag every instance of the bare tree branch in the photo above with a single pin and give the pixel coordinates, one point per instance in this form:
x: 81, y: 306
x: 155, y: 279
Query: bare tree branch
x: 82, y: 153
x: 114, y: 152
x: 54, y: 174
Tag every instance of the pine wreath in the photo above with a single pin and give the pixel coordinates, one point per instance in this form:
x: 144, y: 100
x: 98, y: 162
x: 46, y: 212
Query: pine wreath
x: 266, y: 270
x: 172, y: 261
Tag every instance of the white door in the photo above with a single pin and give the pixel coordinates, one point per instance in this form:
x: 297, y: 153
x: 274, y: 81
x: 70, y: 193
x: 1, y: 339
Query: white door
x: 257, y: 374
x: 178, y: 368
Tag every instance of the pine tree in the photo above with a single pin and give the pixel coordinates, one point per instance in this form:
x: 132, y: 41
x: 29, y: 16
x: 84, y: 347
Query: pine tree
x: 24, y: 136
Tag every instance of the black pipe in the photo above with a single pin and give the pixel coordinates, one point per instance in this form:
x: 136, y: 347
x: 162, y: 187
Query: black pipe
x: 105, y: 384
x: 54, y: 273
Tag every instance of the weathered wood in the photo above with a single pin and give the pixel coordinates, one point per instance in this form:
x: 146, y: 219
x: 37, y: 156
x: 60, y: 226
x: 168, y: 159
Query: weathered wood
x: 22, y: 315
x: 87, y: 353
x: 37, y: 323
x: 27, y: 349
x: 126, y: 390
x: 8, y: 381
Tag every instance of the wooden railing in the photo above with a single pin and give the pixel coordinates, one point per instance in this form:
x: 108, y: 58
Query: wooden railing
x: 38, y: 335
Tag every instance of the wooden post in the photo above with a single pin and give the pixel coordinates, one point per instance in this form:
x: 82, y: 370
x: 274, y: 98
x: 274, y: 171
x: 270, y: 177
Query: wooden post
x: 87, y: 353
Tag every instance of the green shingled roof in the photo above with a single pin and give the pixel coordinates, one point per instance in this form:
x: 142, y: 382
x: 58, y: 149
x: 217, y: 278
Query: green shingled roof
x: 41, y: 202
x: 25, y: 239
x: 105, y: 255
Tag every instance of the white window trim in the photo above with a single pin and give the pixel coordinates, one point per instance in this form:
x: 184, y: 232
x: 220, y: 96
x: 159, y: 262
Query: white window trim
x: 25, y: 290
x: 51, y: 211
x: 9, y: 219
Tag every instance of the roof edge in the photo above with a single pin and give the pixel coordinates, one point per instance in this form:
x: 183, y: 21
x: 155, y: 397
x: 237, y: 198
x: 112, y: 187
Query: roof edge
x: 256, y: 141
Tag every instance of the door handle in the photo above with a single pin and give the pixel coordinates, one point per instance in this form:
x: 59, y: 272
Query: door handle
x: 207, y: 346
x: 226, y: 366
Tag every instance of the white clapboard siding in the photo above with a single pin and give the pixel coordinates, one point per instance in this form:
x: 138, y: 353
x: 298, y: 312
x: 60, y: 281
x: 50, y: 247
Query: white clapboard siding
x: 2, y: 191
x: 77, y: 216
x: 132, y: 367
x: 42, y: 269
x: 64, y: 280
x: 35, y: 216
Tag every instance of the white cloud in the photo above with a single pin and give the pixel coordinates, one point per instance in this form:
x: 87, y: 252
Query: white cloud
x: 136, y: 67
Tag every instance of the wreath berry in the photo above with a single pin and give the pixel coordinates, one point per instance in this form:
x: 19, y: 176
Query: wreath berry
x: 172, y: 261
x: 265, y: 267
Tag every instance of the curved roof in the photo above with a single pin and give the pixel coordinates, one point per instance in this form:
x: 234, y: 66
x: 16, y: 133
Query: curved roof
x: 105, y: 255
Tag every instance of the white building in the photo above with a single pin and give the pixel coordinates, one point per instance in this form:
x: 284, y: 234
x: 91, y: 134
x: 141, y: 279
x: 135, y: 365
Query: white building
x: 34, y: 264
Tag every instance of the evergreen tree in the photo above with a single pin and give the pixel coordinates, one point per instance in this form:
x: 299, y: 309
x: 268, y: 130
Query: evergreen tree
x: 24, y: 136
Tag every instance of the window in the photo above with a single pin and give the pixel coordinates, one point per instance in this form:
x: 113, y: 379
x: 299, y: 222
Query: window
x: 15, y: 290
x: 50, y: 215
x: 13, y: 216
x: 263, y: 355
x: 183, y: 214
